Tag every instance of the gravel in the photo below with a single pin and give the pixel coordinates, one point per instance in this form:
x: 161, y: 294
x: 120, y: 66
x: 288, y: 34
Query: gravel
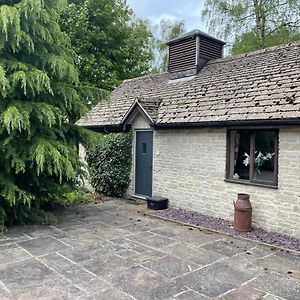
x: 224, y: 226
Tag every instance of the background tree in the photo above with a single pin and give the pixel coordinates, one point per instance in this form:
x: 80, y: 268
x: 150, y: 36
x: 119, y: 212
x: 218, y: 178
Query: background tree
x: 167, y: 30
x: 111, y: 43
x: 41, y: 97
x: 254, y: 24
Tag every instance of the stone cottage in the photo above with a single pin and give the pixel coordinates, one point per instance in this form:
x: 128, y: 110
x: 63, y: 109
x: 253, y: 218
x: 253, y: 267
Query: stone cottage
x: 212, y: 127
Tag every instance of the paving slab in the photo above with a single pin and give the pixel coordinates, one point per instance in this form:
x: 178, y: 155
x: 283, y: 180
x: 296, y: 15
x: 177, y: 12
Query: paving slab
x: 16, y: 232
x: 43, y: 245
x: 75, y: 273
x: 156, y: 241
x: 189, y: 235
x: 229, y: 246
x: 144, y: 284
x: 170, y: 266
x: 25, y: 274
x: 271, y: 297
x: 68, y: 223
x: 13, y: 255
x: 110, y: 250
x: 126, y: 253
x: 3, y: 289
x: 246, y: 257
x: 43, y: 230
x: 77, y: 229
x: 106, y: 264
x: 8, y: 246
x: 10, y: 240
x: 54, y: 260
x: 190, y: 295
x: 83, y: 253
x: 245, y: 292
x: 111, y: 233
x: 51, y: 292
x: 128, y: 244
x: 278, y: 285
x: 113, y: 294
x: 82, y: 239
x: 215, y: 279
x: 94, y: 287
x: 142, y: 258
x: 137, y: 227
x: 137, y: 236
x: 193, y: 254
x: 287, y: 264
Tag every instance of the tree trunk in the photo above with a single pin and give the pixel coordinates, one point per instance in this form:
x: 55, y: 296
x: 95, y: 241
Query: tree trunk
x: 260, y: 19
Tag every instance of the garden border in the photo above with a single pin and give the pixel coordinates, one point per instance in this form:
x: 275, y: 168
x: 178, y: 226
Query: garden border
x: 153, y: 215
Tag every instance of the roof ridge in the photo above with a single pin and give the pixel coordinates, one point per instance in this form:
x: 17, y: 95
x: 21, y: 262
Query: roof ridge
x: 145, y: 76
x: 254, y: 53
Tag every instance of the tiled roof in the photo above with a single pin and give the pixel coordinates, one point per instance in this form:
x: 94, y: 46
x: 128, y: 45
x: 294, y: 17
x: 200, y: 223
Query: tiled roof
x: 262, y: 85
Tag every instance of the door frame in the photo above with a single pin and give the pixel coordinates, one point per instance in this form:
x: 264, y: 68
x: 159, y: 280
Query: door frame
x: 134, y: 161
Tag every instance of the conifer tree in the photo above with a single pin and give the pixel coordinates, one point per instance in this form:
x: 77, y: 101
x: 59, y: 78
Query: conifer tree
x: 41, y: 98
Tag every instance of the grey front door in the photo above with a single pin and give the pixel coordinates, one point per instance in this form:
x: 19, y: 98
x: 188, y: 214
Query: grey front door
x: 143, y: 163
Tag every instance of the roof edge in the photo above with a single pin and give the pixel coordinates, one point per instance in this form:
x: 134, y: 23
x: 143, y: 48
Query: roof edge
x: 130, y: 114
x: 212, y: 124
x: 106, y: 128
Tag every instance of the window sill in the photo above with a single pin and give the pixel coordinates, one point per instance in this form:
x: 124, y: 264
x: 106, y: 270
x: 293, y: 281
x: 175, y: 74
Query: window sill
x: 246, y: 182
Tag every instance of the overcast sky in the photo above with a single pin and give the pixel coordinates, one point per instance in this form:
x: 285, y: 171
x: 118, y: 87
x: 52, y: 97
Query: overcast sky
x: 155, y: 10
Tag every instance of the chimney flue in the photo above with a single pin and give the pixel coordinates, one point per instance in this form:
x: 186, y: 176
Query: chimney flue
x: 190, y: 52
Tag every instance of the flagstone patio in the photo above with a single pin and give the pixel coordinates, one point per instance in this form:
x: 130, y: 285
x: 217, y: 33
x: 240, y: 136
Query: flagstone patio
x: 111, y: 251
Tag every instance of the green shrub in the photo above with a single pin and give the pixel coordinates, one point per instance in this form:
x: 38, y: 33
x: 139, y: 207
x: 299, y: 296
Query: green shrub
x: 40, y: 213
x: 77, y: 196
x: 110, y: 164
x: 22, y: 214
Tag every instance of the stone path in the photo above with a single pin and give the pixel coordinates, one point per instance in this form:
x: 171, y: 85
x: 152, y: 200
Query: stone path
x: 109, y: 251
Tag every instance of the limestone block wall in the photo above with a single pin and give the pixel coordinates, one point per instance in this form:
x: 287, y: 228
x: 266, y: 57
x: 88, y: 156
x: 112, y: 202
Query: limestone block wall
x: 189, y: 168
x: 140, y: 123
x: 86, y: 181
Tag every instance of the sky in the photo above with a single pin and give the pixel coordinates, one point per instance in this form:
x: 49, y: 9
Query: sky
x: 155, y: 10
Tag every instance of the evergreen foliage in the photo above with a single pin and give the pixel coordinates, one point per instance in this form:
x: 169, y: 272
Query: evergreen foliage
x: 111, y: 43
x: 110, y: 164
x: 41, y: 98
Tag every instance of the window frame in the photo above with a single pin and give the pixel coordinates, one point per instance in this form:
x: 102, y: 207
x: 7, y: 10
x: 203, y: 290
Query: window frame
x: 251, y: 180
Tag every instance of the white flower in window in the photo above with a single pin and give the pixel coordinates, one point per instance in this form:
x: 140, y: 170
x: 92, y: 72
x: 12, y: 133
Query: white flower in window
x: 246, y: 161
x: 259, y: 159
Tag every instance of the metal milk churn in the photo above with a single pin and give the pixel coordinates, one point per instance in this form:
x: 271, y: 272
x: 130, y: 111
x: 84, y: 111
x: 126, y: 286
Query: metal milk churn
x: 242, y: 213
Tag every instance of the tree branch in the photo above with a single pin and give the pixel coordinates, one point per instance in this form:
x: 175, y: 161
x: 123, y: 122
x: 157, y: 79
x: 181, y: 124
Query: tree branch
x: 287, y: 24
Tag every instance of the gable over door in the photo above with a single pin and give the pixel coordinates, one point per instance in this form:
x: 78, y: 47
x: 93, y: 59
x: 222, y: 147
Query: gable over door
x: 143, y: 163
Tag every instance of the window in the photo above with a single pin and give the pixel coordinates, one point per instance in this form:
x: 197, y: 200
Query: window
x: 252, y: 156
x: 144, y: 148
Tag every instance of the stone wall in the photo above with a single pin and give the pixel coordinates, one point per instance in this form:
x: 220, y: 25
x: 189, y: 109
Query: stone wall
x: 189, y: 168
x: 140, y: 122
x: 86, y: 180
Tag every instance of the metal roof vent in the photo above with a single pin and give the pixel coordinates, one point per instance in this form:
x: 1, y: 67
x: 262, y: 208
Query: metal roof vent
x: 189, y: 53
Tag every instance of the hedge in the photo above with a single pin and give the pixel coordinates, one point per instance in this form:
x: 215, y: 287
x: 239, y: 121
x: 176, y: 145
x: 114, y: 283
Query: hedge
x: 110, y: 164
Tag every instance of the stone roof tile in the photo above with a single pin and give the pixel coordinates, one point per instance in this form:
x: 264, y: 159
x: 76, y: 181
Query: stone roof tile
x: 262, y: 85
